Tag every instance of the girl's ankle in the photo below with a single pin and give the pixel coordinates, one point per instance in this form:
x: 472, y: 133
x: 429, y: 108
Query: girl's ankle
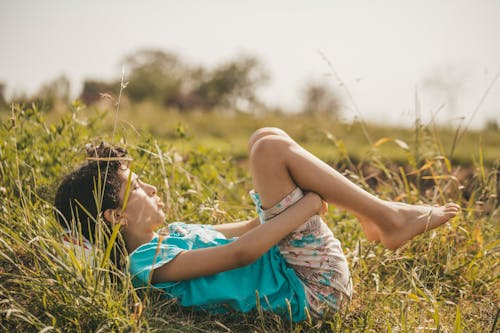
x: 391, y: 218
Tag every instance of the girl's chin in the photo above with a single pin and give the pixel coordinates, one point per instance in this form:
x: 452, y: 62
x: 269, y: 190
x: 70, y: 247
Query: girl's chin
x: 161, y: 221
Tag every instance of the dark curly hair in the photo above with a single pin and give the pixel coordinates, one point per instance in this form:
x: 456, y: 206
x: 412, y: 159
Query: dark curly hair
x: 89, y: 190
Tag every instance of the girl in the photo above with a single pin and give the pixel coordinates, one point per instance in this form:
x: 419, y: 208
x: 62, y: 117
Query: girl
x: 286, y: 260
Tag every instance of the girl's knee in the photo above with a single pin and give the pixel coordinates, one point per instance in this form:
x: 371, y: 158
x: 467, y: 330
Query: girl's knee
x: 263, y: 132
x: 269, y: 148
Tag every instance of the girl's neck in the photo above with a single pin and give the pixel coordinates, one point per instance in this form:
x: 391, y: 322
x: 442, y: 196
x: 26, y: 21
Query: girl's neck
x: 134, y: 240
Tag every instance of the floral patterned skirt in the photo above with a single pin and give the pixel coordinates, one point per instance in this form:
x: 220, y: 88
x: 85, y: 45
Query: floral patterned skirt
x: 315, y: 255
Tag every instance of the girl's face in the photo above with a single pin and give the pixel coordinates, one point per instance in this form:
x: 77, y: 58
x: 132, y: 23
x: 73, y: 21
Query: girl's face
x: 144, y: 209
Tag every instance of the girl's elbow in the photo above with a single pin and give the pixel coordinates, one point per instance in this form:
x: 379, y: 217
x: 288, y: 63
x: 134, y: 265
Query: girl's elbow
x: 245, y: 257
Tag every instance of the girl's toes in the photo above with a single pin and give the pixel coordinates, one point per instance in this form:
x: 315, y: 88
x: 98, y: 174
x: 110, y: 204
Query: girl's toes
x: 451, y: 213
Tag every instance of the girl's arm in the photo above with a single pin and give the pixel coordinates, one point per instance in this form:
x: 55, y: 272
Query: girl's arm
x: 243, y: 251
x: 236, y: 229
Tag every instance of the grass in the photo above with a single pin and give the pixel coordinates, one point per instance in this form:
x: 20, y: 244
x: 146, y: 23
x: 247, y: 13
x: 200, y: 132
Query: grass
x: 228, y: 133
x: 445, y: 281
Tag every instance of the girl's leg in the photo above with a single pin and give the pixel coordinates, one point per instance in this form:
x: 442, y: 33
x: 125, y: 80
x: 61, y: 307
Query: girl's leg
x: 370, y: 229
x: 278, y: 164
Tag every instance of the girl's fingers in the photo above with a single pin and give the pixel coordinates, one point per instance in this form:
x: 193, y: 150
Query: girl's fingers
x: 324, y: 208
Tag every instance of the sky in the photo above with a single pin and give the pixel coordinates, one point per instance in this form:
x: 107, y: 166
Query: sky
x: 382, y: 57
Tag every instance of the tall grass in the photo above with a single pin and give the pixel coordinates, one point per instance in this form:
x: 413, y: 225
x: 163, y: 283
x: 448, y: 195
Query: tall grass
x: 446, y: 280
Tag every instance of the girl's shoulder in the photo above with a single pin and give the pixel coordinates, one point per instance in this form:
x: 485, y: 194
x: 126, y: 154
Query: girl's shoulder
x: 182, y: 235
x: 194, y: 235
x: 180, y: 229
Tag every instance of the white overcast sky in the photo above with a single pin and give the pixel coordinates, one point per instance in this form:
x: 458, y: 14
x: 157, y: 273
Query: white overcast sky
x: 382, y: 50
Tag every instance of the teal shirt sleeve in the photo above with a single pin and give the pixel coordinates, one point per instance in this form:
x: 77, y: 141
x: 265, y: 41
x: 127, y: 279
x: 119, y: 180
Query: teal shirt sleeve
x: 146, y: 258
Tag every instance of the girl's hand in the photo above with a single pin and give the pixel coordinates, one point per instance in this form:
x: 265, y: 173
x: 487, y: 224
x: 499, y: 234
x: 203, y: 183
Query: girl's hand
x: 319, y: 205
x: 324, y: 208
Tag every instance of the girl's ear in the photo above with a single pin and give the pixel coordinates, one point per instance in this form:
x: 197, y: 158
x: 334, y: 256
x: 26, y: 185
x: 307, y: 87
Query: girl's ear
x: 113, y: 215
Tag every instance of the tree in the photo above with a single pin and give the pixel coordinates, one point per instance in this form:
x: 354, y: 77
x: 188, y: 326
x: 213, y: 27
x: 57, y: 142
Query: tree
x: 162, y: 78
x: 232, y: 84
x: 319, y: 98
x: 53, y: 91
x: 154, y: 75
x: 94, y: 89
x: 3, y: 101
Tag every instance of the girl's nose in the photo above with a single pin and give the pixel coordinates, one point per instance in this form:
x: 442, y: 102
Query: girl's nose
x: 153, y: 190
x: 150, y: 189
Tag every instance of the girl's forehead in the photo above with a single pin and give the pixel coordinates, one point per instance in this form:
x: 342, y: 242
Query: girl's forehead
x: 124, y: 175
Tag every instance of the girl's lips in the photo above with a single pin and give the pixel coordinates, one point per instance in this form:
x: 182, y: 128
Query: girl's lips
x: 159, y: 203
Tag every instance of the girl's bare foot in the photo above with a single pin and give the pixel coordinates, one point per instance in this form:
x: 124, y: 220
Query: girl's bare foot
x: 370, y: 229
x: 407, y: 221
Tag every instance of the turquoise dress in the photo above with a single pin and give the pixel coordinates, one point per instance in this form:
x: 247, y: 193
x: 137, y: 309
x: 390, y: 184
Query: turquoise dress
x: 267, y: 283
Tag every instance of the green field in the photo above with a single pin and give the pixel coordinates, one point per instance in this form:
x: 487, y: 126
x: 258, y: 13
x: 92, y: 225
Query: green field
x: 444, y: 281
x: 228, y: 132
